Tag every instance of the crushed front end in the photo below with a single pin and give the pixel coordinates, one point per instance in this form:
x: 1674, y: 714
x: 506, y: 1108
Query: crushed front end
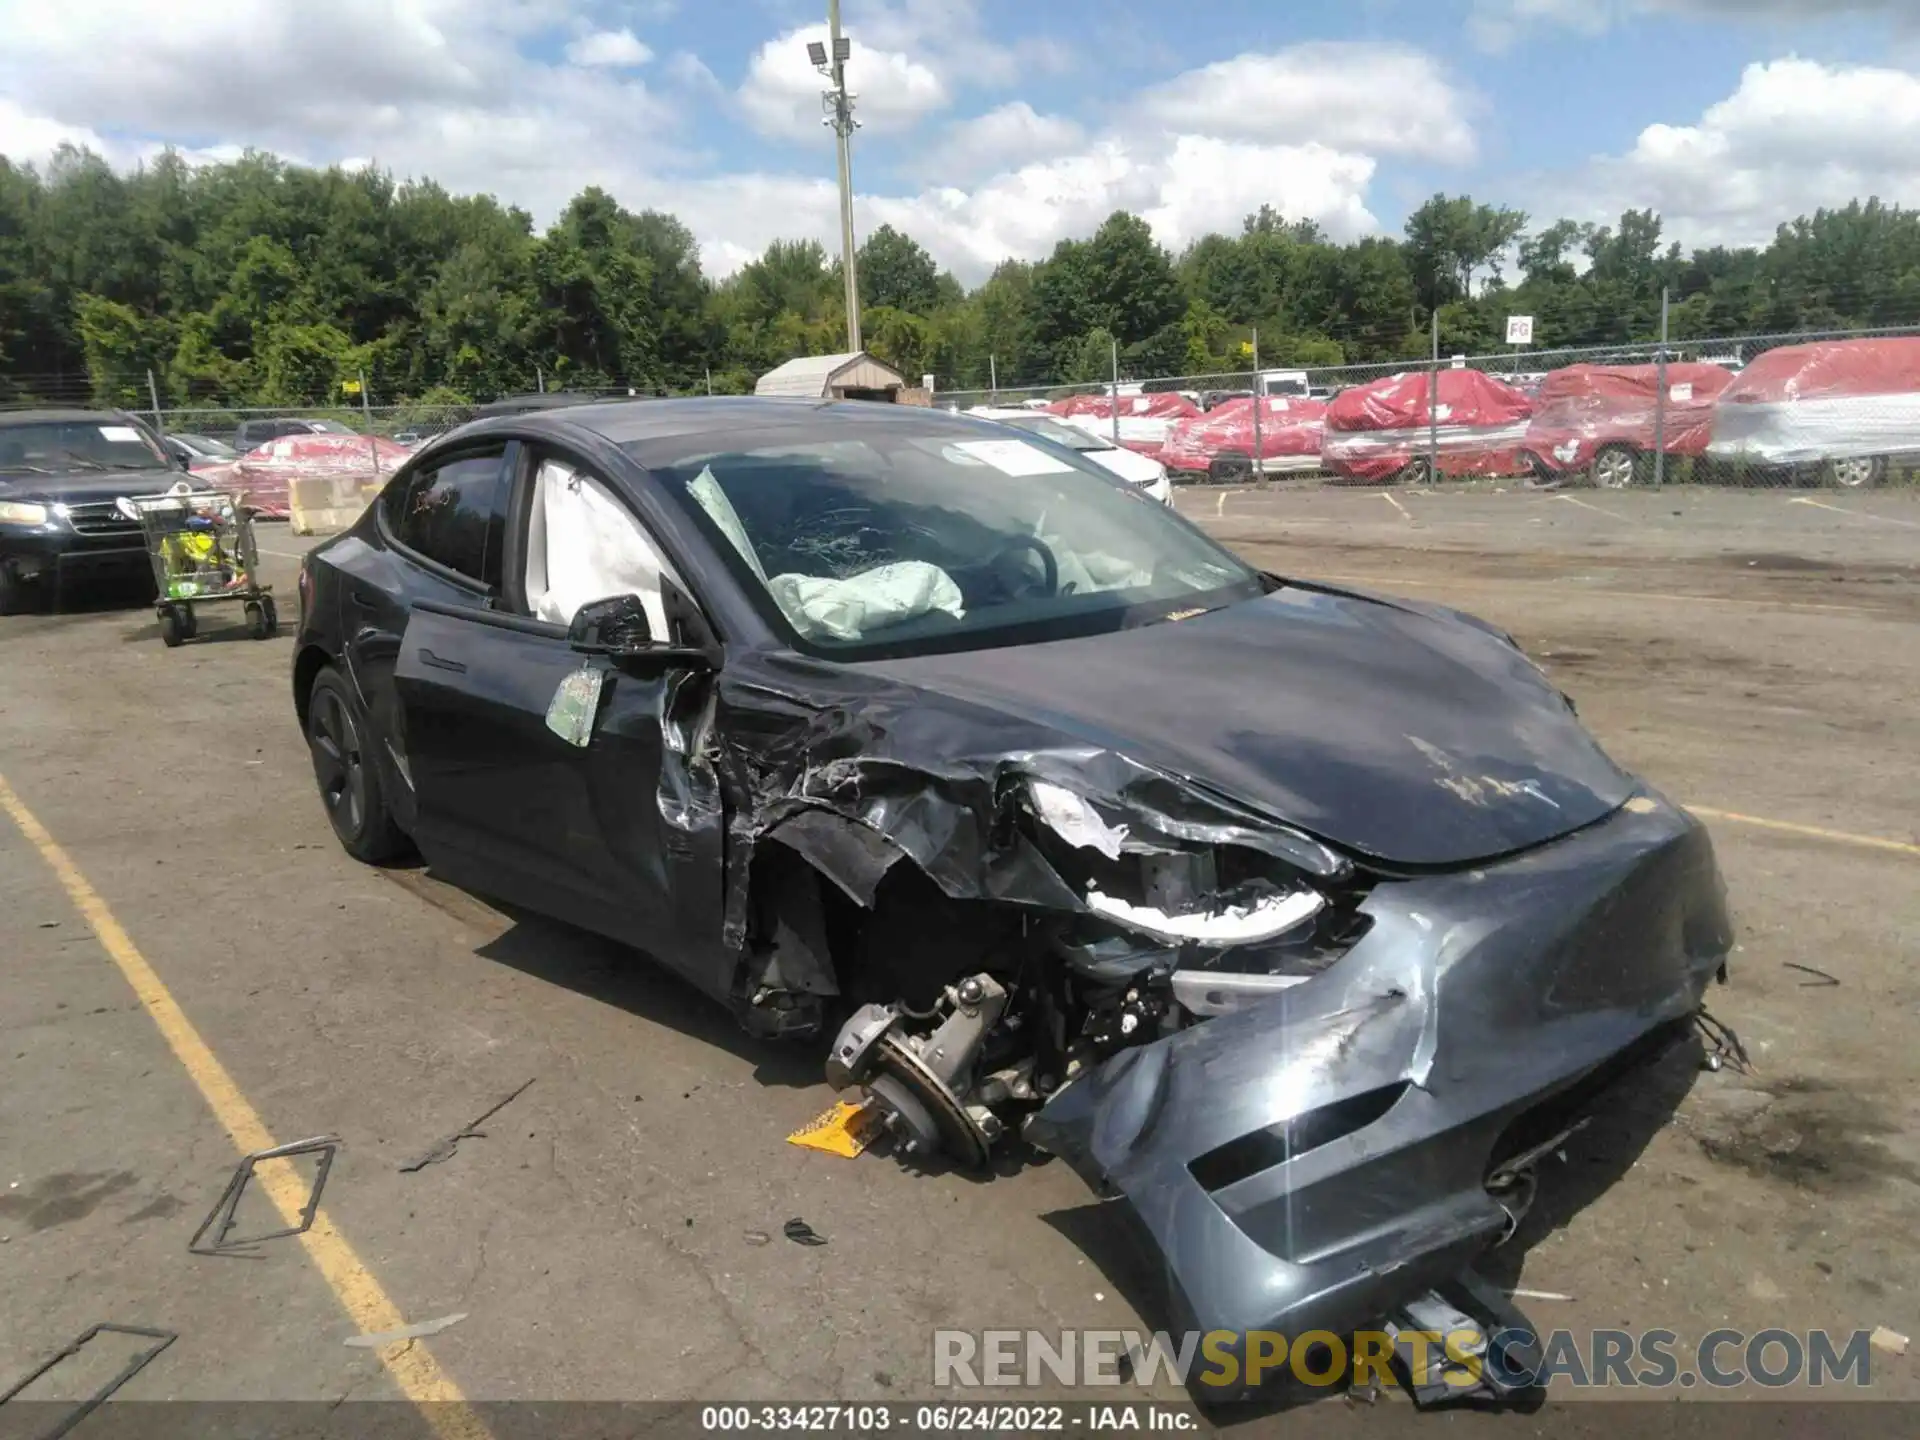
x: 1317, y: 1089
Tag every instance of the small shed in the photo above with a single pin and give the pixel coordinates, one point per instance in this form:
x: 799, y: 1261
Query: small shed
x: 855, y: 376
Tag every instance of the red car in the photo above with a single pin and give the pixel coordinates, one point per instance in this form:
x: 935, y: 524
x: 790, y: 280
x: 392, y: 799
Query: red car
x: 1386, y: 430
x: 1604, y: 421
x: 1144, y: 419
x: 267, y: 474
x: 1290, y: 433
x: 1848, y: 410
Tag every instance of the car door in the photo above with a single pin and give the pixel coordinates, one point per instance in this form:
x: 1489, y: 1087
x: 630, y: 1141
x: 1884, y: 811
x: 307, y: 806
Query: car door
x: 621, y: 834
x: 416, y: 556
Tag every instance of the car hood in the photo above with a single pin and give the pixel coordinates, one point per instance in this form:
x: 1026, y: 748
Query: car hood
x: 80, y: 486
x: 1400, y: 732
x: 1127, y: 464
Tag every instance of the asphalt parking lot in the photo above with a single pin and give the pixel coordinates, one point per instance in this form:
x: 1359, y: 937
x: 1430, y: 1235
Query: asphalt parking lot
x: 193, y: 966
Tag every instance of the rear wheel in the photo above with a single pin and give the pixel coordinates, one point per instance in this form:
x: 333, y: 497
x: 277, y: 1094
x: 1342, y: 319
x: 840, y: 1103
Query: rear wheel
x: 13, y: 594
x: 173, y: 629
x: 189, y: 621
x: 1615, y: 467
x: 1858, y: 472
x: 344, y: 767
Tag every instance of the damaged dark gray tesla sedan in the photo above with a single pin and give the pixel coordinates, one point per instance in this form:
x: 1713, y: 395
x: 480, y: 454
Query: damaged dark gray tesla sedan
x: 1300, y: 921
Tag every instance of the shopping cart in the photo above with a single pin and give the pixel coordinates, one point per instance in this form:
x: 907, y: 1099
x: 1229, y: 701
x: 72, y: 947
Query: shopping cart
x: 201, y: 546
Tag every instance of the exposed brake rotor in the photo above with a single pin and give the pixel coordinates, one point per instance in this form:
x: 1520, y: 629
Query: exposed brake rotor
x: 897, y: 1063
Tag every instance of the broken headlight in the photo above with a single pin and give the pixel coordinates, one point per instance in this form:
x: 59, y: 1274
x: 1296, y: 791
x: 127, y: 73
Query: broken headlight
x: 1221, y: 925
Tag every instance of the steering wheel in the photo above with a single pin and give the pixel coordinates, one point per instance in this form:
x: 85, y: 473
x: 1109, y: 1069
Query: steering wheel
x: 1050, y: 567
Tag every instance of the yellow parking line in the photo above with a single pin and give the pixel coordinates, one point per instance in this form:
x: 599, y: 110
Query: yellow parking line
x: 1811, y: 832
x: 412, y: 1367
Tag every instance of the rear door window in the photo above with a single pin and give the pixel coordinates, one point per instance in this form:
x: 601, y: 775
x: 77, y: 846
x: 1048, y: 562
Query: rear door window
x: 454, y: 514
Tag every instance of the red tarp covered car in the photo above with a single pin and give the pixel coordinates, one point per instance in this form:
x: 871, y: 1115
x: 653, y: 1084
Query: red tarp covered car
x: 267, y: 474
x: 1605, y: 421
x: 1144, y: 419
x: 1382, y: 431
x: 1847, y: 406
x: 1290, y: 432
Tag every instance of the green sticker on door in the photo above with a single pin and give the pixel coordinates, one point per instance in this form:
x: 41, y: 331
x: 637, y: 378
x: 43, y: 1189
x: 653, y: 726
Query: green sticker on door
x: 575, y: 703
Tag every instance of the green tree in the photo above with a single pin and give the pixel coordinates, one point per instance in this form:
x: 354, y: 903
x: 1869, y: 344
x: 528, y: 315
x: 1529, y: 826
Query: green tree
x: 897, y: 272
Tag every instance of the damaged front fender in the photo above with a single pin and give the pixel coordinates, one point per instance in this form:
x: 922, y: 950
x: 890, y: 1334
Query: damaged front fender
x: 1318, y: 1159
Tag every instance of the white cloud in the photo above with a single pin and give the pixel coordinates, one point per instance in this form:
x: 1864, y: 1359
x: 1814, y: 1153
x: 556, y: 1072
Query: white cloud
x: 1012, y: 135
x: 618, y: 48
x: 449, y: 91
x: 29, y: 139
x: 1184, y: 186
x: 456, y: 91
x: 1496, y: 24
x: 1382, y: 98
x: 1794, y: 136
x: 781, y: 94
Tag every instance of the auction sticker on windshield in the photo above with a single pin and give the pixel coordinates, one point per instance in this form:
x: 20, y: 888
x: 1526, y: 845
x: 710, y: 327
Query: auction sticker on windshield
x: 120, y: 434
x: 1014, y: 457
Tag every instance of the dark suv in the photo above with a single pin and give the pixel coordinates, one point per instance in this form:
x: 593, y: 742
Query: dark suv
x: 61, y: 472
x: 251, y: 434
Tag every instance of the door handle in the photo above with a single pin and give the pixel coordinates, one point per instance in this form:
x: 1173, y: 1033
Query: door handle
x: 362, y: 598
x: 427, y: 657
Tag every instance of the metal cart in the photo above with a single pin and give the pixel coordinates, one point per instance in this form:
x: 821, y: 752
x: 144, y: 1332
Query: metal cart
x: 201, y: 546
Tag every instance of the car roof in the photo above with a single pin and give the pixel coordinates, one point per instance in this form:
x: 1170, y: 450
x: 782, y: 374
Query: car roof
x: 627, y: 422
x: 27, y: 416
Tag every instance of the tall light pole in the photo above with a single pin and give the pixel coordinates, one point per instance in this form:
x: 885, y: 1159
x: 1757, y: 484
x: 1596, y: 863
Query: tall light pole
x: 838, y: 103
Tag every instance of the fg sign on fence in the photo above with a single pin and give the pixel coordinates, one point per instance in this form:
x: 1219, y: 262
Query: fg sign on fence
x: 1519, y: 330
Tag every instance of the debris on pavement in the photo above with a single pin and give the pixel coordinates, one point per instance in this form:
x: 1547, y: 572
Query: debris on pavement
x: 844, y: 1130
x: 1723, y: 1046
x: 1891, y: 1341
x: 756, y: 1237
x: 1821, y: 979
x: 161, y: 1338
x: 444, y: 1149
x: 221, y: 1219
x: 382, y: 1338
x: 1520, y: 1294
x: 801, y: 1233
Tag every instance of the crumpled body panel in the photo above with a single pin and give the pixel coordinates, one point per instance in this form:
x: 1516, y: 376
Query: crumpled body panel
x: 1314, y: 1161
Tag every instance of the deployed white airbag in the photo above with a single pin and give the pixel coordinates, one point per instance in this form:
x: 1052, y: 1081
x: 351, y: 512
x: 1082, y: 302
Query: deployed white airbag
x: 822, y: 607
x: 583, y: 544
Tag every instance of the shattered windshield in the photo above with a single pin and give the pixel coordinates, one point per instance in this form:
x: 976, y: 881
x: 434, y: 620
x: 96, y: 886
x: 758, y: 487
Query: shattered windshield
x: 63, y: 446
x: 896, y: 542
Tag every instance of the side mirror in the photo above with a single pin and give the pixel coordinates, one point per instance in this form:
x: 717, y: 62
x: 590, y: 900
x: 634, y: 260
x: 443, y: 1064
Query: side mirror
x: 613, y: 626
x: 617, y: 627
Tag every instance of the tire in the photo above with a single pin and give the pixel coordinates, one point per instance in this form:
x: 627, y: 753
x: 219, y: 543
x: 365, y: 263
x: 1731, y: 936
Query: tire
x: 189, y: 621
x: 13, y: 594
x: 1616, y: 467
x: 256, y: 620
x: 172, y: 628
x: 339, y: 739
x: 1859, y: 473
x: 1230, y: 467
x: 1414, y: 472
x: 272, y: 612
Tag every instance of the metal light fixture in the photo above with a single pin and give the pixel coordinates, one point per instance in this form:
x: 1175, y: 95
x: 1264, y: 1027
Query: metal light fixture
x: 837, y: 102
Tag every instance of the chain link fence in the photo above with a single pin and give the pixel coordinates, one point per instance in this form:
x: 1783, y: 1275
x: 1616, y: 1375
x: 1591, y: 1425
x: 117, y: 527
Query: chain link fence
x: 1834, y: 408
x: 1830, y: 408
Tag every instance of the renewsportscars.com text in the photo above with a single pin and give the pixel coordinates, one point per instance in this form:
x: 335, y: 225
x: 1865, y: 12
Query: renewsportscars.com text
x: 1644, y: 1359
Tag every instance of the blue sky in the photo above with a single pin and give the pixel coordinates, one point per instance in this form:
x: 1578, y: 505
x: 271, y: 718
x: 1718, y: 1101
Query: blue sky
x: 996, y: 128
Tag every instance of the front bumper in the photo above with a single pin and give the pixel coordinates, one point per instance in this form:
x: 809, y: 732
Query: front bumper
x: 57, y: 554
x: 1316, y: 1161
